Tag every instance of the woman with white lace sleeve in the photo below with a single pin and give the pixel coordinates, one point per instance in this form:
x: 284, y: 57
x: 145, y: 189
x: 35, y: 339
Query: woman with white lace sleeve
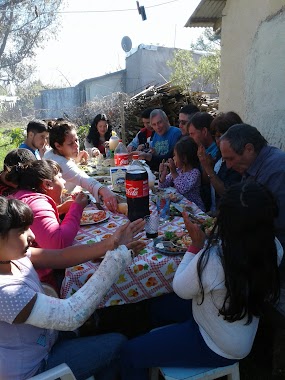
x: 30, y: 321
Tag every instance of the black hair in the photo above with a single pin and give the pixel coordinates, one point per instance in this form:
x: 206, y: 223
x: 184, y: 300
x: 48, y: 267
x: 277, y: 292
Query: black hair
x: 190, y: 110
x: 18, y: 155
x: 37, y: 126
x: 146, y: 113
x: 93, y: 136
x: 187, y: 149
x: 202, y: 120
x: 14, y: 214
x: 223, y: 121
x: 245, y: 228
x: 31, y: 175
x: 241, y: 134
x: 59, y: 131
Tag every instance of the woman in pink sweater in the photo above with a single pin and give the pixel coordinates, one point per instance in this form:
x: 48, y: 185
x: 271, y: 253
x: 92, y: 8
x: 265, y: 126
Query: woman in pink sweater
x: 40, y: 184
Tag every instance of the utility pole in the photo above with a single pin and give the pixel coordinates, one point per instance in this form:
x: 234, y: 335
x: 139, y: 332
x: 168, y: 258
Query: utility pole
x: 122, y: 118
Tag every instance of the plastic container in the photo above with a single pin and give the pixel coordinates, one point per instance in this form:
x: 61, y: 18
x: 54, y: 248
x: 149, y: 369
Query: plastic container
x: 121, y: 155
x: 137, y: 190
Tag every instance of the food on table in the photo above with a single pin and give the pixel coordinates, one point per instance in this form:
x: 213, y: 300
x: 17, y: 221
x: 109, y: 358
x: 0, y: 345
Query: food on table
x: 122, y: 208
x: 181, y: 241
x: 93, y: 216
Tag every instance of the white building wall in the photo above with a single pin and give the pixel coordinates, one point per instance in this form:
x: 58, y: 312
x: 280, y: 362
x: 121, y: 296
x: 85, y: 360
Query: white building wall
x: 253, y: 65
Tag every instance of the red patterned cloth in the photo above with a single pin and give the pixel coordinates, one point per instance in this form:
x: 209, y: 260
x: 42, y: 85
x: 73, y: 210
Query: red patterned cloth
x: 150, y: 274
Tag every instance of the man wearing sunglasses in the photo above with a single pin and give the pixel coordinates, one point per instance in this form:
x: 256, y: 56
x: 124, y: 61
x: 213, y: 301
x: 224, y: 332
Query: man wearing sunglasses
x: 185, y: 115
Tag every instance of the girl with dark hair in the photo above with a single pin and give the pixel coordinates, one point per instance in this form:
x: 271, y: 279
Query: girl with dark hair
x: 100, y: 131
x: 65, y: 149
x: 184, y: 173
x: 40, y: 185
x: 230, y: 279
x: 33, y: 325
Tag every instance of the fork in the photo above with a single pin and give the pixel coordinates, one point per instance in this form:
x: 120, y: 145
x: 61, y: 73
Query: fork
x: 170, y: 244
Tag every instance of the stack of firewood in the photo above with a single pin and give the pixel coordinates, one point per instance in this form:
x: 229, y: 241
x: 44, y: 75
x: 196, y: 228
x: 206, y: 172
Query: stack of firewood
x: 167, y: 97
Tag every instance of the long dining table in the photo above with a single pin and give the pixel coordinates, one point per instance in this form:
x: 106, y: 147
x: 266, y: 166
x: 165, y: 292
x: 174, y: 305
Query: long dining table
x: 150, y: 274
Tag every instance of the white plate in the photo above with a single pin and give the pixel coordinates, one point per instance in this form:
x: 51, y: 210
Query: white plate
x: 88, y: 217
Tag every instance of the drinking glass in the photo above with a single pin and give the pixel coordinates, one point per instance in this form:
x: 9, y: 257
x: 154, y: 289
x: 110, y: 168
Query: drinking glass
x: 151, y: 225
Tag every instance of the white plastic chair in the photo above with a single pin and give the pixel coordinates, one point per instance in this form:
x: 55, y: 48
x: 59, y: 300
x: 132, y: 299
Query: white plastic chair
x: 168, y: 373
x: 61, y: 371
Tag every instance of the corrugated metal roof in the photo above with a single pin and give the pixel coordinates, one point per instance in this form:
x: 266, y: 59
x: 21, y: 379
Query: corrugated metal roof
x: 207, y: 14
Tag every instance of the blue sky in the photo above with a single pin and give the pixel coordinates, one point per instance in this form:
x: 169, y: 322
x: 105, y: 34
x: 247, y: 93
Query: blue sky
x: 88, y: 43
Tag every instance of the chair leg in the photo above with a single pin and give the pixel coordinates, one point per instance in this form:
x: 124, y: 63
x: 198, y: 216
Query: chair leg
x: 234, y: 375
x: 154, y: 373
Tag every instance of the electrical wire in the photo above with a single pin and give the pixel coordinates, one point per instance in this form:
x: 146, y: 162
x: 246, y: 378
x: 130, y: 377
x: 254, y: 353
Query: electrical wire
x: 107, y: 11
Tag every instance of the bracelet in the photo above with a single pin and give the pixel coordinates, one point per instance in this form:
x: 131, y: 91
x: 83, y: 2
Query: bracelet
x: 210, y: 176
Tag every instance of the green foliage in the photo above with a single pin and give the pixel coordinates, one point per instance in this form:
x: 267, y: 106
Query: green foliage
x: 207, y: 41
x: 17, y: 136
x: 27, y: 92
x: 209, y: 70
x: 184, y: 69
x: 24, y: 27
x: 7, y: 143
x: 82, y: 132
x: 190, y: 75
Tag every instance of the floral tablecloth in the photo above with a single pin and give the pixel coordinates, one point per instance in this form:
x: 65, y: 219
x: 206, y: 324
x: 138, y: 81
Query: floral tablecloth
x: 150, y: 274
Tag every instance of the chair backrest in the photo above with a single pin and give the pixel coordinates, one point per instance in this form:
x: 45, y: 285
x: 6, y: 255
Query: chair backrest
x: 61, y: 371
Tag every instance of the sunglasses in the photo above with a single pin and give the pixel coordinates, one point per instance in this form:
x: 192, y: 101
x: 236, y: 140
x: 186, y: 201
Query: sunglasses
x: 183, y: 122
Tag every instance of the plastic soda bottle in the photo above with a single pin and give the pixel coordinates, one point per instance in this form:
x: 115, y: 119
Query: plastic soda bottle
x: 137, y: 190
x: 121, y: 155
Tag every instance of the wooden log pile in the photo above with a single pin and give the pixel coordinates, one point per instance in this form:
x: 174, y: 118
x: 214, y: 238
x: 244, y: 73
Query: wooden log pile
x: 167, y: 97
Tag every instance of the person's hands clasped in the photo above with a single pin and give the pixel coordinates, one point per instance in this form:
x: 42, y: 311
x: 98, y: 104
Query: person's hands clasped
x: 205, y: 159
x: 128, y: 233
x: 109, y: 199
x: 195, y: 232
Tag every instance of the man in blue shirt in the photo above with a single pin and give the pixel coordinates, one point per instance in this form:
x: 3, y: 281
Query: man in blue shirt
x: 163, y: 141
x: 37, y: 137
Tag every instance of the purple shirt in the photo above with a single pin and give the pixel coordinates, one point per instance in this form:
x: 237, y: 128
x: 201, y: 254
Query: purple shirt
x: 188, y: 184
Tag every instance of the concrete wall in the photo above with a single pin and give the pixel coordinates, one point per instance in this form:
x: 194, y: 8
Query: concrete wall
x: 54, y: 103
x: 103, y: 85
x: 253, y: 65
x: 147, y: 66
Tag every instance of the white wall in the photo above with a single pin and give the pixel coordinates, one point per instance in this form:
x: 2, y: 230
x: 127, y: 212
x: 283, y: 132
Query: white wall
x: 253, y: 65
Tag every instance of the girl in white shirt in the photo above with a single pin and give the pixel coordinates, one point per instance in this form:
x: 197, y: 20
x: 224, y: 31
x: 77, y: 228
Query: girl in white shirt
x: 229, y: 281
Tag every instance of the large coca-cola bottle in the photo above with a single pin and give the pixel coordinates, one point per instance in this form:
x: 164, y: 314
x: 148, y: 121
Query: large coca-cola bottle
x: 137, y: 190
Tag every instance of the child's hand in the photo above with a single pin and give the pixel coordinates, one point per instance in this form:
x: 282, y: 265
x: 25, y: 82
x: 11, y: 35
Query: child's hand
x: 163, y: 170
x: 197, y: 235
x: 171, y: 165
x: 82, y: 199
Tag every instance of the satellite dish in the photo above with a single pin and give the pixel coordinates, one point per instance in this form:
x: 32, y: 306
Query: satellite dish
x: 126, y: 43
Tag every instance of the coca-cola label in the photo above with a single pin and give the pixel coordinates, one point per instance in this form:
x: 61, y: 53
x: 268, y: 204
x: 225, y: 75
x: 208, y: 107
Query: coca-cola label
x: 121, y: 159
x: 137, y: 189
